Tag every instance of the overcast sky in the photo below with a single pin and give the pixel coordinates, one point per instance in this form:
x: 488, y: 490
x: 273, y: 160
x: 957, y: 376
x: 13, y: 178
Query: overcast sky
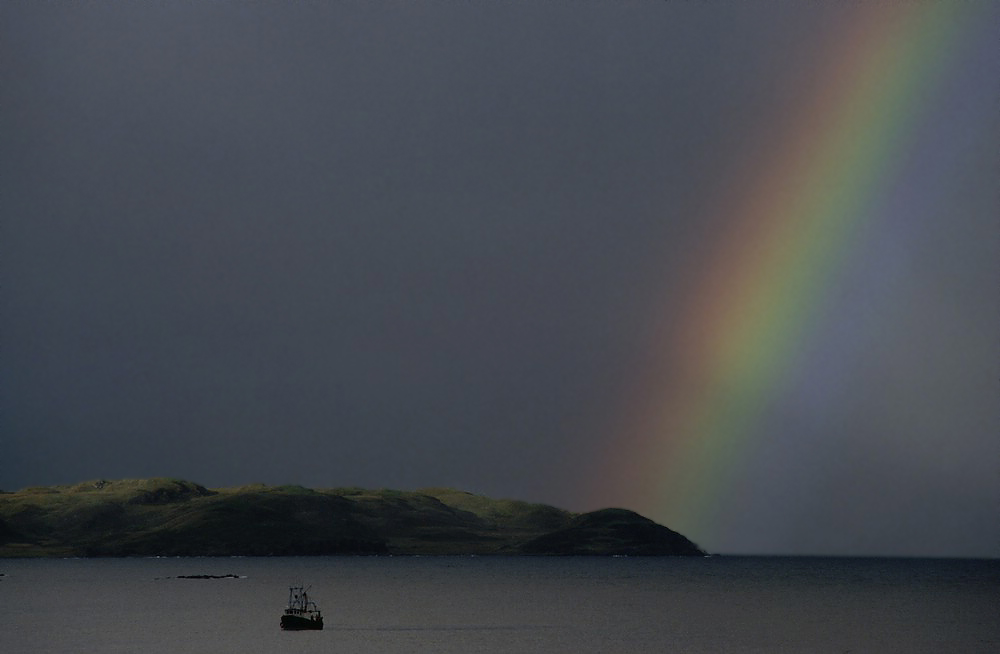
x: 409, y: 244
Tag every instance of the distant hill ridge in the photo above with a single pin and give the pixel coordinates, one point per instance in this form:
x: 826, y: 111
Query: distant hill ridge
x: 174, y: 517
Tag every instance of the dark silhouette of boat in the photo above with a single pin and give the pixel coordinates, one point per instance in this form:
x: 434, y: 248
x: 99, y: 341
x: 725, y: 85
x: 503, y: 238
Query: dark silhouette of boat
x: 301, y: 612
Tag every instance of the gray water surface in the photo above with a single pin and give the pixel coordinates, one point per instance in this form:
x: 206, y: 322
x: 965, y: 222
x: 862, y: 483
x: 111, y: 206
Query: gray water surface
x: 383, y: 605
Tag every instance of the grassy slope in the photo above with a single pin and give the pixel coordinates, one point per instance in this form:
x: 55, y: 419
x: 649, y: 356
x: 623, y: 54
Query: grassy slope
x: 171, y: 517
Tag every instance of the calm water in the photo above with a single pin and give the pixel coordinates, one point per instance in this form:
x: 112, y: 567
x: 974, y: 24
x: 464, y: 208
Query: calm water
x: 523, y: 605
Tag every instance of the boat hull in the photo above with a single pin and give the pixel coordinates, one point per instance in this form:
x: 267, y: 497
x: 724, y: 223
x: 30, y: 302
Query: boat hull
x: 297, y: 623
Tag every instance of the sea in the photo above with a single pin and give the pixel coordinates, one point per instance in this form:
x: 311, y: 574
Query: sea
x: 523, y: 605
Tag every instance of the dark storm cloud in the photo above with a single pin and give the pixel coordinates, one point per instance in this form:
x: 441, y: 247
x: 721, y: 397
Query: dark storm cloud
x: 361, y: 228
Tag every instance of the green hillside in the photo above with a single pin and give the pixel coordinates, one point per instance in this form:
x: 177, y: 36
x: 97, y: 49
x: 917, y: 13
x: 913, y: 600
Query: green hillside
x: 171, y: 517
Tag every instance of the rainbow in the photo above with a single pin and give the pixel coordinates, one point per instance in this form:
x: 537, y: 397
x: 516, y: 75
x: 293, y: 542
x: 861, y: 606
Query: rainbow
x: 693, y: 415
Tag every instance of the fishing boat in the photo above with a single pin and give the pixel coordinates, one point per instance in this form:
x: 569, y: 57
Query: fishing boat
x: 301, y: 612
